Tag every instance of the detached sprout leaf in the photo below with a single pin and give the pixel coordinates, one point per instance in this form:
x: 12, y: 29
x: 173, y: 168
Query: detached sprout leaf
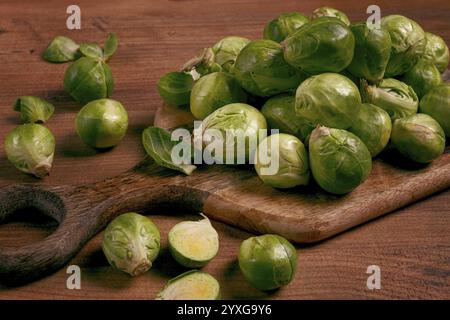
x: 91, y: 50
x: 110, y: 47
x: 33, y: 109
x: 61, y: 49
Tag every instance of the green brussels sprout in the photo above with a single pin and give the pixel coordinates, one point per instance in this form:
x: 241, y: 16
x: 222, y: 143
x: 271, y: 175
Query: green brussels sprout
x: 418, y: 137
x: 284, y: 25
x: 436, y: 51
x: 268, y: 261
x: 328, y: 99
x: 175, y: 88
x: 30, y: 148
x: 226, y: 51
x: 373, y: 126
x: 422, y: 77
x: 33, y: 109
x: 261, y: 70
x: 61, y: 49
x: 395, y: 97
x: 213, y: 91
x: 330, y: 12
x: 102, y: 123
x: 191, y: 285
x: 290, y: 155
x: 436, y: 103
x: 88, y: 79
x: 95, y: 51
x: 372, y: 51
x: 339, y: 160
x: 279, y: 112
x: 408, y: 43
x: 322, y: 45
x: 131, y: 243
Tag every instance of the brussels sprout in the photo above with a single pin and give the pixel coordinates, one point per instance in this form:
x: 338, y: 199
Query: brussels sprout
x: 339, y: 160
x: 30, y: 148
x: 191, y: 285
x: 330, y: 12
x: 261, y: 70
x: 226, y: 51
x: 422, y: 77
x: 372, y: 51
x: 131, y: 243
x: 175, y: 88
x: 408, y: 43
x: 328, y: 99
x: 395, y: 97
x: 436, y: 103
x: 322, y: 45
x: 290, y: 154
x: 373, y: 126
x: 102, y: 123
x: 268, y: 261
x: 279, y: 112
x: 93, y: 50
x: 61, y: 49
x: 193, y: 243
x: 213, y: 91
x: 436, y: 51
x: 88, y: 79
x: 418, y: 137
x: 33, y: 109
x: 284, y: 25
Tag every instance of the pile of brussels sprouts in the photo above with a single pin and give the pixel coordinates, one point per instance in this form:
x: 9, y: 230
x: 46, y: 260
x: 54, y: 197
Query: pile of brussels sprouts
x: 339, y: 94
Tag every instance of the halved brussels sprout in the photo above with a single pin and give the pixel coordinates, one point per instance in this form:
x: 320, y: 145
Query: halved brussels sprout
x: 261, y: 70
x: 436, y: 103
x: 418, y: 137
x: 422, y: 77
x: 328, y: 99
x: 395, y: 97
x: 322, y: 45
x: 213, y: 91
x: 175, y: 88
x: 33, y: 109
x: 284, y: 25
x: 226, y: 51
x: 330, y: 12
x: 408, y: 43
x: 30, y: 148
x: 61, y: 49
x: 339, y: 160
x: 436, y: 51
x: 373, y: 126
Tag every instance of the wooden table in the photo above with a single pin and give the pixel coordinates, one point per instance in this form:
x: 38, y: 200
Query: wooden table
x: 411, y: 246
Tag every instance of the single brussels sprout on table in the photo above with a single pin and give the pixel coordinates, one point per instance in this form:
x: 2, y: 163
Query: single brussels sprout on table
x: 339, y: 160
x: 61, y: 49
x: 33, y: 109
x: 291, y: 156
x: 418, y: 137
x: 268, y: 261
x: 261, y: 70
x: 436, y: 51
x: 422, y: 77
x: 214, y: 91
x: 328, y: 99
x: 284, y: 25
x: 30, y: 148
x: 95, y: 51
x: 322, y: 45
x: 436, y: 103
x: 131, y: 243
x: 330, y: 12
x: 102, y: 123
x: 175, y: 88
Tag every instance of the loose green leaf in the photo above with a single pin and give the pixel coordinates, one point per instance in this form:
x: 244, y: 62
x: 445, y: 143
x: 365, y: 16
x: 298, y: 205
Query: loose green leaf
x: 33, y: 109
x: 61, y: 49
x: 110, y: 46
x: 91, y: 50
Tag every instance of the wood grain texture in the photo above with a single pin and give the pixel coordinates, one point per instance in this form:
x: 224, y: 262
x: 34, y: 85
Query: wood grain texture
x: 155, y: 37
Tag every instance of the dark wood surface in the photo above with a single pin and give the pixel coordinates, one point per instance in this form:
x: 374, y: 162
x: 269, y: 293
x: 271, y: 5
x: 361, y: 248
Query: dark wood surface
x: 411, y: 246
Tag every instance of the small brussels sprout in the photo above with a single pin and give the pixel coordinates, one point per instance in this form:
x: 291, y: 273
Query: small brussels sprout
x: 328, y: 99
x: 33, y: 109
x: 436, y: 51
x: 213, y: 91
x: 373, y: 126
x: 261, y: 70
x: 422, y: 77
x: 322, y: 45
x: 95, y: 51
x: 88, y: 79
x: 268, y: 261
x: 193, y: 243
x: 290, y: 155
x: 372, y: 51
x: 418, y: 137
x: 30, y: 148
x: 408, y: 43
x: 102, y: 123
x: 284, y: 25
x: 175, y: 88
x: 279, y: 112
x: 436, y: 103
x: 61, y: 49
x: 395, y: 97
x: 131, y: 243
x: 330, y: 12
x: 226, y: 51
x: 191, y: 285
x: 339, y: 160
